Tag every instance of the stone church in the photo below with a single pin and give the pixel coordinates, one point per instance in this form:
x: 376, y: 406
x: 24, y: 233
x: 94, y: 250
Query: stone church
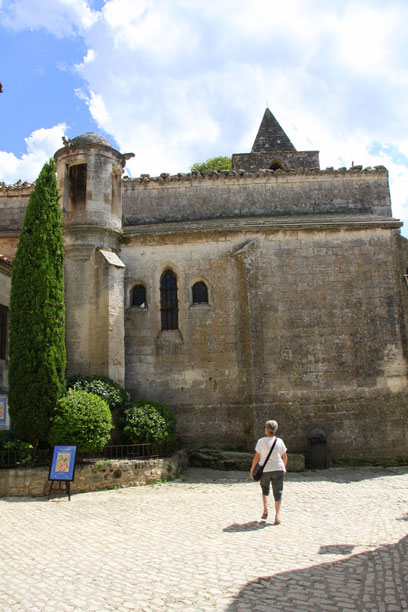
x: 275, y: 290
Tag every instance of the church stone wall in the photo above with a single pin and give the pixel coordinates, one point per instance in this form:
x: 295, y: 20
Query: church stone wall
x: 301, y: 326
x: 182, y: 197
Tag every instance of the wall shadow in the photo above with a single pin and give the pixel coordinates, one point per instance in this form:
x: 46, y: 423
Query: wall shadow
x: 374, y: 580
x: 197, y: 475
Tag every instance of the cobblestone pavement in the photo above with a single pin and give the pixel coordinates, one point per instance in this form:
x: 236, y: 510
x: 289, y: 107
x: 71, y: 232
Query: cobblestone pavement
x: 198, y: 544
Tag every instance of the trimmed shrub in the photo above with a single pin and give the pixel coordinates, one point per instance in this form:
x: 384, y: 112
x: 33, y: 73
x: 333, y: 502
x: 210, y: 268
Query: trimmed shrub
x: 83, y: 419
x: 149, y: 422
x: 113, y: 393
x: 165, y: 412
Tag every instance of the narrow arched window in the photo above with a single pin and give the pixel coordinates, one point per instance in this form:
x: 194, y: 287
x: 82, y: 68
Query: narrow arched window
x: 200, y: 293
x: 139, y: 296
x: 168, y: 300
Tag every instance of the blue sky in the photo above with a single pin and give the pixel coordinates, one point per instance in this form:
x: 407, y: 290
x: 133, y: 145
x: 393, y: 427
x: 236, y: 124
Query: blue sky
x: 178, y: 81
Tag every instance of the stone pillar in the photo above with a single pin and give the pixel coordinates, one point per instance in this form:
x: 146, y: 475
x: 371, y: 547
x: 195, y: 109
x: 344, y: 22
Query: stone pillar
x: 78, y: 292
x: 107, y: 341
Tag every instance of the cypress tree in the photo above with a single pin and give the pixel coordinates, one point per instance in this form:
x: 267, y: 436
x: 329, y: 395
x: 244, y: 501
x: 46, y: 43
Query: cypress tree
x: 37, y: 314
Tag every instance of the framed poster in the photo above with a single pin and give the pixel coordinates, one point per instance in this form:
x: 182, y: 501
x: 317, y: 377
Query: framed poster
x: 63, y: 463
x: 4, y: 416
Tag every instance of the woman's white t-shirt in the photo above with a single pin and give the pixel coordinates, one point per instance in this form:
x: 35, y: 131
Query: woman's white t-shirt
x: 275, y: 462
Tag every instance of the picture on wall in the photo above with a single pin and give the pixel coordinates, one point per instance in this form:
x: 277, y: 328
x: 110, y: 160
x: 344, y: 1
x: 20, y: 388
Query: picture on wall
x: 4, y: 416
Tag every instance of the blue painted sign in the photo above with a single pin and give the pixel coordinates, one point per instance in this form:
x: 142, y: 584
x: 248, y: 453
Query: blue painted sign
x: 63, y: 463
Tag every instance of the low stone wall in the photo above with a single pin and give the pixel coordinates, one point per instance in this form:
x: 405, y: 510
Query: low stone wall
x: 233, y: 460
x: 95, y: 476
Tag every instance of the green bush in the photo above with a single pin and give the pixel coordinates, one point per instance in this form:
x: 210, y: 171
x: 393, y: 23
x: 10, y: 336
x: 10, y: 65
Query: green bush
x: 113, y: 394
x: 165, y: 412
x: 83, y: 419
x: 149, y: 422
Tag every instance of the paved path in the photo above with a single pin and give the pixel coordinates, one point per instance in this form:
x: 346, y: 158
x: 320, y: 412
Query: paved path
x: 197, y: 544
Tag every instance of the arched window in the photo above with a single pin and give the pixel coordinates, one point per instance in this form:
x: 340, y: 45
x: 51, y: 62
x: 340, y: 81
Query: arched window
x: 139, y: 296
x: 200, y: 293
x: 168, y: 300
x: 277, y: 165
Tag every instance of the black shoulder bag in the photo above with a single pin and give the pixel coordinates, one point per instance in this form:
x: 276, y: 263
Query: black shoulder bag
x: 258, y: 469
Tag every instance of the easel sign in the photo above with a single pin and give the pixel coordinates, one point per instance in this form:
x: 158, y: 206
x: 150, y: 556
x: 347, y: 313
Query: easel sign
x: 62, y: 467
x: 4, y: 415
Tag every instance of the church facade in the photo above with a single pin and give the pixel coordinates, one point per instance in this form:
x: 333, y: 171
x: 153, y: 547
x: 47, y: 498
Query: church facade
x: 275, y: 290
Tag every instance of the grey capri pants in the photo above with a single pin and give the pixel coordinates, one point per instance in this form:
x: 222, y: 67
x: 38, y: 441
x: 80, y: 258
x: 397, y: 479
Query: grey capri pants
x: 276, y: 478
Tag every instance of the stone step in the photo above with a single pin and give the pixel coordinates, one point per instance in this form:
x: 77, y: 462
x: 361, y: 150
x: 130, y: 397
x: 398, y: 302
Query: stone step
x: 235, y: 460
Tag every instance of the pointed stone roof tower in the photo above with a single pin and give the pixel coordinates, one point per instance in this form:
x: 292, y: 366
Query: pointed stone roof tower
x: 272, y: 150
x: 271, y: 136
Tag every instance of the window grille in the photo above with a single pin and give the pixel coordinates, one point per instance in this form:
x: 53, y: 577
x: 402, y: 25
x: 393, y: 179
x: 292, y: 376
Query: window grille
x: 200, y: 293
x: 139, y: 296
x: 168, y: 300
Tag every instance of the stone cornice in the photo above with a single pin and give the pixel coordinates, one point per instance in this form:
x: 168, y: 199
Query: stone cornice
x: 22, y: 188
x: 257, y: 224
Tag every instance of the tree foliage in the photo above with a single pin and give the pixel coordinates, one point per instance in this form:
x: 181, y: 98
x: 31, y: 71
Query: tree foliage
x: 213, y: 163
x: 37, y: 314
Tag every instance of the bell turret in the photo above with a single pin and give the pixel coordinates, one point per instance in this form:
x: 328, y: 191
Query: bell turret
x: 89, y: 172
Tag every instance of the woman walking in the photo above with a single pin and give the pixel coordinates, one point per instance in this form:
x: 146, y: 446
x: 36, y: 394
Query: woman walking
x: 274, y: 469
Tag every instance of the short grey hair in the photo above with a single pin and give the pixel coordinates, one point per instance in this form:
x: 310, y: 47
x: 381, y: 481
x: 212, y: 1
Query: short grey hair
x: 271, y: 426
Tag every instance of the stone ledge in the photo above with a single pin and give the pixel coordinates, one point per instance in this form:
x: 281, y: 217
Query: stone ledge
x: 95, y: 476
x: 262, y: 223
x: 234, y: 460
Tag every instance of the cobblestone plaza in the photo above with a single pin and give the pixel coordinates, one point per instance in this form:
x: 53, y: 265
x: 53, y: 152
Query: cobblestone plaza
x: 198, y: 543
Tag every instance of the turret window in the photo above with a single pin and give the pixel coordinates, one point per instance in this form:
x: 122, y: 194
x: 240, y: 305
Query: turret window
x: 139, y: 296
x: 77, y: 186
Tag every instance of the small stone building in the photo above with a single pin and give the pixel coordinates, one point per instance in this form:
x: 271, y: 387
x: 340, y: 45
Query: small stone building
x: 275, y: 290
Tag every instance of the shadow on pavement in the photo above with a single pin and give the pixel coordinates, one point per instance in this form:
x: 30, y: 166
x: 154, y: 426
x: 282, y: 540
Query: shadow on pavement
x: 251, y: 526
x: 374, y: 580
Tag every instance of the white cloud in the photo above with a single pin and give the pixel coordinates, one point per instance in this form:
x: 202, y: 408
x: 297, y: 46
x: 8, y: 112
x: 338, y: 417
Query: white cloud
x: 59, y: 17
x: 41, y: 145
